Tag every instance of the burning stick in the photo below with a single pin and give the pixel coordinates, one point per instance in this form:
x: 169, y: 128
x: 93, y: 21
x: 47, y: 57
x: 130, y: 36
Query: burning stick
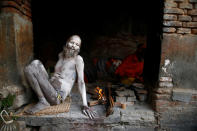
x: 110, y: 101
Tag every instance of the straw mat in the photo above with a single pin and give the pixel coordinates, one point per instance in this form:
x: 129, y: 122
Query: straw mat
x: 55, y: 109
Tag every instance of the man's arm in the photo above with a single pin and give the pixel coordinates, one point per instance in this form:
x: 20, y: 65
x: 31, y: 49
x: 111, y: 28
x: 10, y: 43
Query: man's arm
x: 81, y: 83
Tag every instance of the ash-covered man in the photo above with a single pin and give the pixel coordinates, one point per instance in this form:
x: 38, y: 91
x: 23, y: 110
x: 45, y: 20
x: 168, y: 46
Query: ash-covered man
x: 55, y: 90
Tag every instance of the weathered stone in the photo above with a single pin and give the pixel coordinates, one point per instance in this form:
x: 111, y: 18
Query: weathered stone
x: 130, y: 99
x: 183, y: 30
x: 173, y: 11
x: 131, y: 128
x: 163, y: 90
x: 22, y: 125
x: 194, y: 18
x: 126, y: 92
x: 169, y: 17
x: 165, y: 84
x: 191, y: 24
x: 184, y: 18
x: 169, y: 29
x: 21, y: 97
x: 138, y: 116
x: 121, y: 99
x: 16, y: 40
x: 192, y: 12
x: 183, y: 95
x: 179, y: 119
x: 21, y: 100
x: 185, y: 6
x: 163, y: 79
x: 170, y: 4
x: 194, y: 31
x: 11, y: 89
x: 176, y: 47
x: 172, y: 23
x: 193, y: 1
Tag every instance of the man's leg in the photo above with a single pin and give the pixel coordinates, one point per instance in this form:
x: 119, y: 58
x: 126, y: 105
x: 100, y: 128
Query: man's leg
x: 34, y: 73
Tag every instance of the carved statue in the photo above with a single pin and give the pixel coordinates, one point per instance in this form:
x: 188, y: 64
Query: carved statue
x: 54, y: 90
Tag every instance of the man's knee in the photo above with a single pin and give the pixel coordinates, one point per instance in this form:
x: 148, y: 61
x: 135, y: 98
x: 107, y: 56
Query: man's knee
x: 32, y: 66
x: 36, y: 63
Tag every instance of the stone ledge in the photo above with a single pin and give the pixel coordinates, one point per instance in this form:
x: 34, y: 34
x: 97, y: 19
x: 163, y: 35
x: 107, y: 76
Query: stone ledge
x: 136, y: 115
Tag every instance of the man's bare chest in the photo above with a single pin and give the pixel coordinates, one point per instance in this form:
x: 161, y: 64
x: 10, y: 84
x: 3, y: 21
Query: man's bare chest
x: 68, y: 65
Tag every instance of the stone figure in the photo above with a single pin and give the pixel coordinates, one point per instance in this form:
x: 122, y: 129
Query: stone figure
x: 54, y: 90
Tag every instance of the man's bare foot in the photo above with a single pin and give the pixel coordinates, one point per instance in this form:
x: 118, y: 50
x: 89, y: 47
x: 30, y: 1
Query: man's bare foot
x: 39, y: 106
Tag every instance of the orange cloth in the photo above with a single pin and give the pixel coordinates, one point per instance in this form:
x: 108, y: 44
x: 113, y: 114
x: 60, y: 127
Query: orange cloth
x: 131, y: 67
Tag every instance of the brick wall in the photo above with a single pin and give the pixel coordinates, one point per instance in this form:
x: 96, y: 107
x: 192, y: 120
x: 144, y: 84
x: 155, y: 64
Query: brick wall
x: 175, y: 95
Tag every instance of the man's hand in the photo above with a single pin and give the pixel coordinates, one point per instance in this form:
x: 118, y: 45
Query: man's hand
x: 88, y: 112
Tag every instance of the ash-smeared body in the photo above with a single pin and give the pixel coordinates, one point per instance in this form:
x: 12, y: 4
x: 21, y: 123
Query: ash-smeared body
x: 69, y: 65
x: 66, y: 71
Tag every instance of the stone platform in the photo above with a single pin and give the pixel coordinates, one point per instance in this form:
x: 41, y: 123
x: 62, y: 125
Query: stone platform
x: 134, y: 117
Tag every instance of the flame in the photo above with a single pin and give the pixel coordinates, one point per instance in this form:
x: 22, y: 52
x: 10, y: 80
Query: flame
x: 100, y: 93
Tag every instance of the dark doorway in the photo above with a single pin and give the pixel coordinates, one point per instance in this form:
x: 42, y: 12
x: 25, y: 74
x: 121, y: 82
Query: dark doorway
x: 55, y: 21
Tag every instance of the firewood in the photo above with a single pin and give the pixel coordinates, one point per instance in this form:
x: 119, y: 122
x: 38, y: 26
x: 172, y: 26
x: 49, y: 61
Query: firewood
x: 110, y: 102
x: 93, y: 103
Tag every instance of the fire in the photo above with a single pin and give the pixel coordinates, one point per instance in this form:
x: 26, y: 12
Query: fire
x: 101, y: 95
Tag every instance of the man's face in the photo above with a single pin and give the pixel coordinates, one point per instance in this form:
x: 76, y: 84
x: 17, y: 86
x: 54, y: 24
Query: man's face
x: 74, y: 43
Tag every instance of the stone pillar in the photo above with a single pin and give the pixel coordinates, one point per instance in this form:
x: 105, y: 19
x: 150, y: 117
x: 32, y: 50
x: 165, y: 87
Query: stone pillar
x: 16, y: 43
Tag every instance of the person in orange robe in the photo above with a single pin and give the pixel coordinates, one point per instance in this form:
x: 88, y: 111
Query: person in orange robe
x: 132, y: 66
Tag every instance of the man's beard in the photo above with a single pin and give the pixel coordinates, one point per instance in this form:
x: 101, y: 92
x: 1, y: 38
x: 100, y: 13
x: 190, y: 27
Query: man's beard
x: 68, y: 53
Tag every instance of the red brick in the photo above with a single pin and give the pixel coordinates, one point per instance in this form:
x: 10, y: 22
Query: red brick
x: 194, y: 18
x: 172, y: 23
x: 183, y: 30
x: 191, y: 24
x: 185, y: 6
x: 169, y: 17
x: 184, y: 18
x: 194, y: 98
x: 163, y: 79
x: 161, y: 103
x: 194, y: 31
x: 169, y: 29
x: 166, y: 84
x: 173, y: 11
x: 170, y: 4
x: 162, y: 96
x: 163, y: 90
x: 192, y: 12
